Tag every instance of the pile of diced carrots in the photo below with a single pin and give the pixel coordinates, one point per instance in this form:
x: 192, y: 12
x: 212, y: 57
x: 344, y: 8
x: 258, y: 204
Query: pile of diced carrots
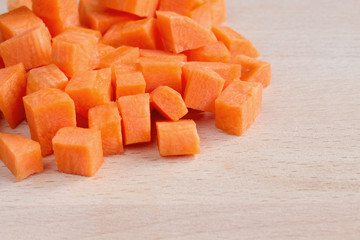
x: 86, y: 77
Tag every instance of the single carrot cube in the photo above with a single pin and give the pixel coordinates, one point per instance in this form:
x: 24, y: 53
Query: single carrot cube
x: 85, y: 31
x: 32, y: 48
x: 161, y: 73
x: 22, y: 156
x: 135, y: 112
x: 13, y: 4
x: 78, y: 151
x: 120, y: 69
x: 90, y: 89
x: 214, y: 52
x: 129, y: 84
x: 238, y: 106
x: 12, y: 90
x: 121, y: 55
x: 57, y: 14
x: 49, y: 76
x: 141, y: 8
x: 106, y: 118
x: 168, y: 102
x: 203, y: 86
x: 18, y: 21
x: 47, y: 111
x: 178, y: 138
x: 104, y: 49
x: 202, y: 15
x: 179, y: 6
x: 218, y: 11
x: 254, y: 70
x: 235, y: 42
x: 180, y: 33
x: 162, y: 55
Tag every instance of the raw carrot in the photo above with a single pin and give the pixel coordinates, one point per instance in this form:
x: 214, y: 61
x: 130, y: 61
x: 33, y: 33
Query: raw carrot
x: 22, y: 156
x: 13, y: 4
x: 214, y: 52
x: 218, y: 11
x: 141, y: 8
x: 78, y: 151
x: 129, y: 84
x: 121, y: 55
x: 202, y: 15
x: 84, y: 31
x: 162, y: 55
x: 120, y: 68
x: 179, y: 6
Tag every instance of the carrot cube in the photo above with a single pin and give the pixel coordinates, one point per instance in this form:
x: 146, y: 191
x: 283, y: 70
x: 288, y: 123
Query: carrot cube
x: 203, y: 86
x: 32, y: 48
x: 214, y: 52
x: 47, y: 111
x: 129, y: 84
x: 141, y: 8
x: 90, y: 89
x: 84, y: 31
x: 179, y: 6
x: 162, y: 55
x: 218, y: 11
x: 49, y: 76
x: 78, y: 151
x: 120, y: 68
x: 12, y: 90
x: 106, y: 118
x: 178, y: 138
x: 22, y: 156
x: 168, y: 103
x: 103, y: 50
x: 121, y: 55
x: 202, y: 15
x: 238, y: 106
x: 13, y: 4
x: 135, y: 112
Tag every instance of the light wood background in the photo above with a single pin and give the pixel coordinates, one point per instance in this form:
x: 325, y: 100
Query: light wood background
x: 294, y: 175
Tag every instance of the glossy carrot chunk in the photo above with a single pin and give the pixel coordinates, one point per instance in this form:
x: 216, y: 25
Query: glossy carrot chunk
x: 214, y: 52
x: 13, y: 4
x: 121, y: 55
x: 162, y: 55
x: 218, y: 11
x: 141, y: 8
x: 129, y: 84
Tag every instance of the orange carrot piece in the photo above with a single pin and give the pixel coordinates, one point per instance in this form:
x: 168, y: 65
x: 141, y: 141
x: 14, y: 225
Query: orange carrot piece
x: 238, y: 106
x: 106, y: 118
x: 254, y: 70
x: 178, y: 138
x: 121, y: 55
x: 179, y: 6
x: 85, y: 31
x: 141, y: 8
x: 120, y: 68
x: 104, y: 49
x: 168, y: 102
x: 18, y: 21
x: 235, y: 42
x: 218, y: 11
x: 32, y: 48
x: 49, y: 76
x: 90, y: 89
x: 214, y: 52
x: 180, y: 33
x: 135, y: 112
x: 22, y: 156
x: 57, y: 14
x: 13, y: 4
x: 162, y: 55
x: 203, y: 86
x: 47, y: 111
x: 202, y: 15
x: 12, y: 90
x: 78, y: 151
x: 129, y: 84
x: 161, y: 73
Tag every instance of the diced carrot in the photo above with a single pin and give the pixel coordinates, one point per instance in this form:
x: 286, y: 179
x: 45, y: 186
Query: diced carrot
x: 141, y: 8
x: 218, y: 11
x: 12, y: 90
x: 86, y: 7
x: 47, y: 111
x: 135, y: 112
x: 32, y: 48
x: 161, y: 73
x: 81, y: 121
x: 254, y: 70
x: 18, y: 21
x: 57, y: 14
x: 13, y: 4
x: 104, y: 49
x: 106, y: 118
x: 168, y: 102
x: 90, y: 89
x: 238, y: 106
x: 228, y: 71
x: 178, y: 138
x: 214, y: 52
x: 22, y: 156
x: 120, y: 68
x: 203, y: 86
x: 235, y: 42
x: 85, y: 31
x: 162, y: 55
x: 49, y: 76
x: 121, y: 55
x: 180, y: 33
x: 202, y: 15
x: 78, y: 151
x: 129, y: 84
x: 179, y: 6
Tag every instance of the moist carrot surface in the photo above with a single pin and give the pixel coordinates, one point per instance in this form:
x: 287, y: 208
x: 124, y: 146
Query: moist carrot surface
x: 162, y: 55
x: 214, y: 52
x: 218, y: 11
x: 141, y: 8
x: 121, y: 55
x: 129, y: 84
x: 179, y: 6
x: 202, y: 14
x: 13, y: 4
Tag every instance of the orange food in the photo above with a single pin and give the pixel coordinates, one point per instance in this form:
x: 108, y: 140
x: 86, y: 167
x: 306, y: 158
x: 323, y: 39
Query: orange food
x: 202, y: 15
x: 22, y: 156
x: 218, y: 11
x: 129, y: 84
x: 120, y: 68
x: 12, y: 90
x: 180, y: 33
x: 49, y: 76
x: 179, y: 6
x: 214, y: 52
x: 13, y: 4
x: 254, y: 70
x: 238, y: 106
x: 18, y: 21
x: 162, y: 55
x: 84, y: 31
x: 78, y: 151
x: 235, y: 42
x: 90, y: 89
x: 47, y: 111
x: 168, y: 102
x: 141, y: 8
x: 32, y: 48
x: 121, y: 55
x: 57, y: 14
x: 203, y: 86
x: 178, y: 138
x: 135, y: 112
x: 106, y: 118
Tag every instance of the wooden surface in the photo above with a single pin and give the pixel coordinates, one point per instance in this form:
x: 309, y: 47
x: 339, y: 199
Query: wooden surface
x: 294, y: 175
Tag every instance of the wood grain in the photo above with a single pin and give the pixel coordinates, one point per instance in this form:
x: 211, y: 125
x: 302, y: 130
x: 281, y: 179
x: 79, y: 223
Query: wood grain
x: 294, y: 175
